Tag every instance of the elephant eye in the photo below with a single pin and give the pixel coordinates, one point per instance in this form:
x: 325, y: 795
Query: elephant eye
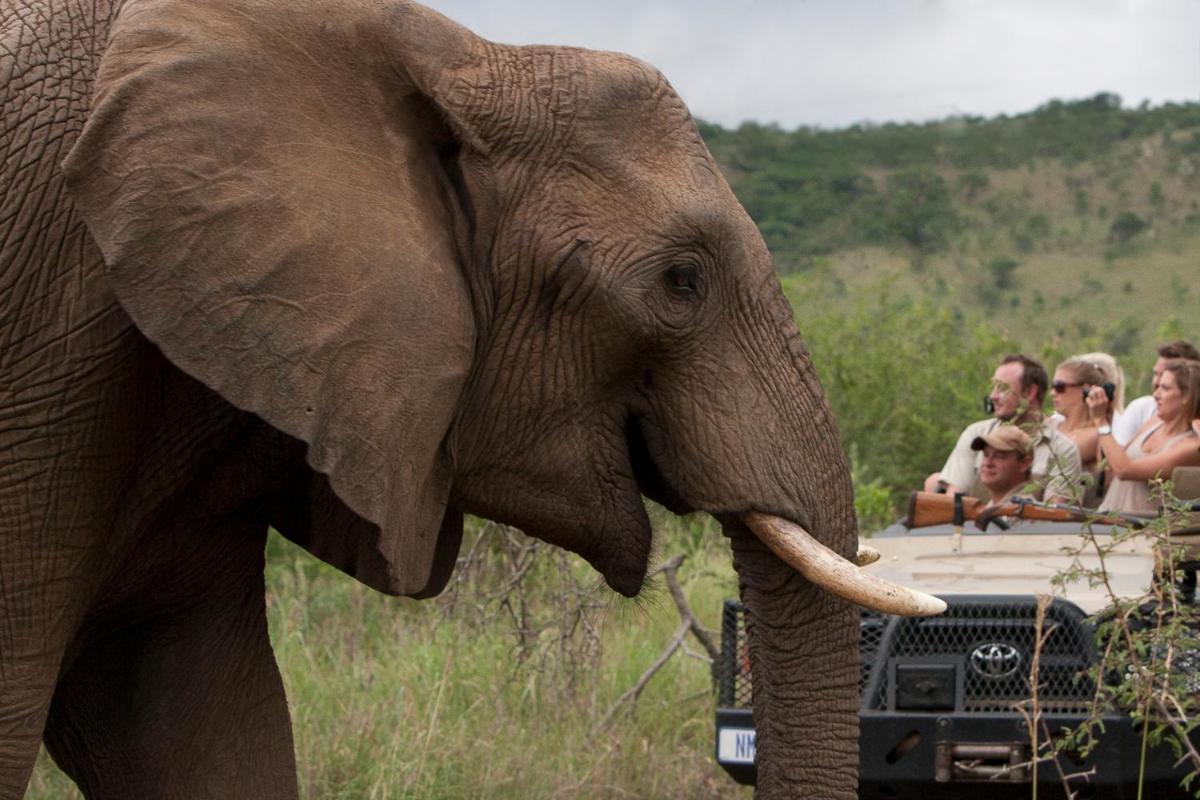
x: 684, y: 279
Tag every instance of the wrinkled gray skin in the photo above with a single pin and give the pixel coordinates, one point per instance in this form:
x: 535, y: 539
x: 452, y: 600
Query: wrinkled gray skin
x: 351, y: 271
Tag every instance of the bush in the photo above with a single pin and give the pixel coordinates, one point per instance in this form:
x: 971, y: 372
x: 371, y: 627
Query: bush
x: 873, y: 500
x: 903, y: 377
x: 1125, y: 226
x: 972, y: 184
x: 1001, y: 271
x: 919, y: 209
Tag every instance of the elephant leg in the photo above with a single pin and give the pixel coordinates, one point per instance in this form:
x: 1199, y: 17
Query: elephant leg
x: 36, y: 625
x: 71, y: 436
x: 47, y: 569
x: 186, y: 704
x: 24, y: 703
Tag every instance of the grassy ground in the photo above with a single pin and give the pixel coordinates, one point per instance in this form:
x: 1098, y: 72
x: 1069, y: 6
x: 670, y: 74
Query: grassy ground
x: 493, y: 690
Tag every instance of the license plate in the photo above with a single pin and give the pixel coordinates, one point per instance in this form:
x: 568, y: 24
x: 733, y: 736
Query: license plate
x: 735, y: 745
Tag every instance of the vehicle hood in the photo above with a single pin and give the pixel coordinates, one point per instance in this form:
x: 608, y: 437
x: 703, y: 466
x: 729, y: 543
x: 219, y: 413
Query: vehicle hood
x: 938, y: 561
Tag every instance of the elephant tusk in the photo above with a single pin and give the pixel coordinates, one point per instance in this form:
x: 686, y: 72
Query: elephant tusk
x: 835, y: 574
x: 866, y: 555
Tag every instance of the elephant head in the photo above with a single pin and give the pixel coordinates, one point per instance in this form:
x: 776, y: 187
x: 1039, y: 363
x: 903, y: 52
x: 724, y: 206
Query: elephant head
x: 509, y: 281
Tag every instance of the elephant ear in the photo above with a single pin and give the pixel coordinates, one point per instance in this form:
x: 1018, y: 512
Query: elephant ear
x: 270, y: 192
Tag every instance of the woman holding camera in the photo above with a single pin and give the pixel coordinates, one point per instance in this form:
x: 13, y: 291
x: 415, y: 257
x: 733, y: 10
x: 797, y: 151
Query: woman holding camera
x: 1163, y: 443
x: 1073, y: 380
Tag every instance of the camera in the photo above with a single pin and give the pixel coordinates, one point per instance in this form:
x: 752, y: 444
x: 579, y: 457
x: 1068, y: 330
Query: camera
x: 1109, y: 389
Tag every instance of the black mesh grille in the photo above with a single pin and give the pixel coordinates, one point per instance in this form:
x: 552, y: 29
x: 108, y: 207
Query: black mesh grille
x: 870, y: 633
x: 732, y: 671
x: 983, y: 644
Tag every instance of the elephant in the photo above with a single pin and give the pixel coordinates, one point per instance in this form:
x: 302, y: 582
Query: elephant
x: 345, y: 269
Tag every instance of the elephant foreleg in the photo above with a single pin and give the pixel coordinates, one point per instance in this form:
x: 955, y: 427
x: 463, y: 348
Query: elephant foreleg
x: 187, y: 704
x: 40, y: 609
x: 25, y: 693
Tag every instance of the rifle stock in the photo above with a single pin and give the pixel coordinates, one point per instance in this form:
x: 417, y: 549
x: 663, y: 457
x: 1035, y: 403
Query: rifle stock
x: 928, y: 508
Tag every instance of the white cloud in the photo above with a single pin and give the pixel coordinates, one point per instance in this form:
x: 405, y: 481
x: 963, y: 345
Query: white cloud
x: 835, y: 62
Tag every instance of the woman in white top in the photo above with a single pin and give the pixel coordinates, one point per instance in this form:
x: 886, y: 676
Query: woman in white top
x: 1163, y: 442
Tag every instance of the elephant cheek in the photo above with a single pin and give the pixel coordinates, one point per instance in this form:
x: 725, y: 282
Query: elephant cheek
x: 612, y: 533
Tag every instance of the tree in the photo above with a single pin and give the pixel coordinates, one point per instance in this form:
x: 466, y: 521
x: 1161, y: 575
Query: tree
x: 920, y: 210
x: 1125, y: 226
x: 1002, y: 271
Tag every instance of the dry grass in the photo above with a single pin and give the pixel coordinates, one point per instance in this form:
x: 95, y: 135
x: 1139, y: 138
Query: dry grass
x: 492, y: 691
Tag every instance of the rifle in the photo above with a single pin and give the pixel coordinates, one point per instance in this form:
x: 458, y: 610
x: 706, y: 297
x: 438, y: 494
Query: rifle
x: 928, y: 508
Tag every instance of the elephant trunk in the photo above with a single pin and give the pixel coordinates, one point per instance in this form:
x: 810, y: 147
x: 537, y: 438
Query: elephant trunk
x: 804, y: 663
x: 803, y: 634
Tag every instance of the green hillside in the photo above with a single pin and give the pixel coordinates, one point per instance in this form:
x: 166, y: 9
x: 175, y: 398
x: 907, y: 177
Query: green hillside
x: 915, y: 254
x: 1054, y: 177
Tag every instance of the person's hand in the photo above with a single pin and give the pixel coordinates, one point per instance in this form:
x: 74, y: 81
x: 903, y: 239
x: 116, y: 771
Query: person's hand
x: 1097, y: 403
x: 1196, y: 426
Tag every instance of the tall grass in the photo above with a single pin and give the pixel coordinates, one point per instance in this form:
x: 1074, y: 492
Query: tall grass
x: 494, y: 689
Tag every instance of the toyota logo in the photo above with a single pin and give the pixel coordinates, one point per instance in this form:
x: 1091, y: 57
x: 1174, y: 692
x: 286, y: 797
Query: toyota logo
x: 995, y: 660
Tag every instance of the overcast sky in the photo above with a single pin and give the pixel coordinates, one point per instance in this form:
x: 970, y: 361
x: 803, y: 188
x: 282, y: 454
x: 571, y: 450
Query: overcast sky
x: 832, y: 63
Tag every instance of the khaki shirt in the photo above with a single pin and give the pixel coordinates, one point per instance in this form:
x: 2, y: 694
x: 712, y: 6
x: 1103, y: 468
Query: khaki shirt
x: 1016, y: 491
x: 1056, y: 467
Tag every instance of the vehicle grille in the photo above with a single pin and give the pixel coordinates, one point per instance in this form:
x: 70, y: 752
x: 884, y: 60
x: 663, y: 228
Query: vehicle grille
x: 732, y: 671
x: 983, y: 644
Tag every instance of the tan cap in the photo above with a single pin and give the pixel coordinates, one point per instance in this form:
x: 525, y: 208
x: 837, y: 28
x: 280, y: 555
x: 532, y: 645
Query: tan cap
x: 1004, y: 437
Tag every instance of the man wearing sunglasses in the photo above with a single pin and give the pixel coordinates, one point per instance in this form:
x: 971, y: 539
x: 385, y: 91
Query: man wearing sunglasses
x: 1018, y: 391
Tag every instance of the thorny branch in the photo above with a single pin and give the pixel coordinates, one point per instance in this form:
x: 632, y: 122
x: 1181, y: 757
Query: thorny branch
x: 688, y: 624
x: 671, y: 570
x: 1144, y: 657
x: 634, y: 692
x: 533, y: 591
x: 550, y: 609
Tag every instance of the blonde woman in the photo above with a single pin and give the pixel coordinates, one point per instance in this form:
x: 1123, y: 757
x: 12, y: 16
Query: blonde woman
x: 1141, y: 409
x: 1112, y: 374
x: 1074, y: 378
x: 1164, y: 442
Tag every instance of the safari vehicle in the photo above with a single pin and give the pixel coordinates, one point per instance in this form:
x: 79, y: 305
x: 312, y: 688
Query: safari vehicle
x: 938, y: 715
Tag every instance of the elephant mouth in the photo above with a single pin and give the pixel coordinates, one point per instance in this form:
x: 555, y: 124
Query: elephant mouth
x: 790, y: 542
x: 651, y: 481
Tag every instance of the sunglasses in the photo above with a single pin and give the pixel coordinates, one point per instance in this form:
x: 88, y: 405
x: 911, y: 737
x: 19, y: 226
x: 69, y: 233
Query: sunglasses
x: 1061, y: 386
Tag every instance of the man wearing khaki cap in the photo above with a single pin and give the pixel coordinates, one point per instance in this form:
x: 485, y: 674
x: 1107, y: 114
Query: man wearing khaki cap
x: 1006, y: 461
